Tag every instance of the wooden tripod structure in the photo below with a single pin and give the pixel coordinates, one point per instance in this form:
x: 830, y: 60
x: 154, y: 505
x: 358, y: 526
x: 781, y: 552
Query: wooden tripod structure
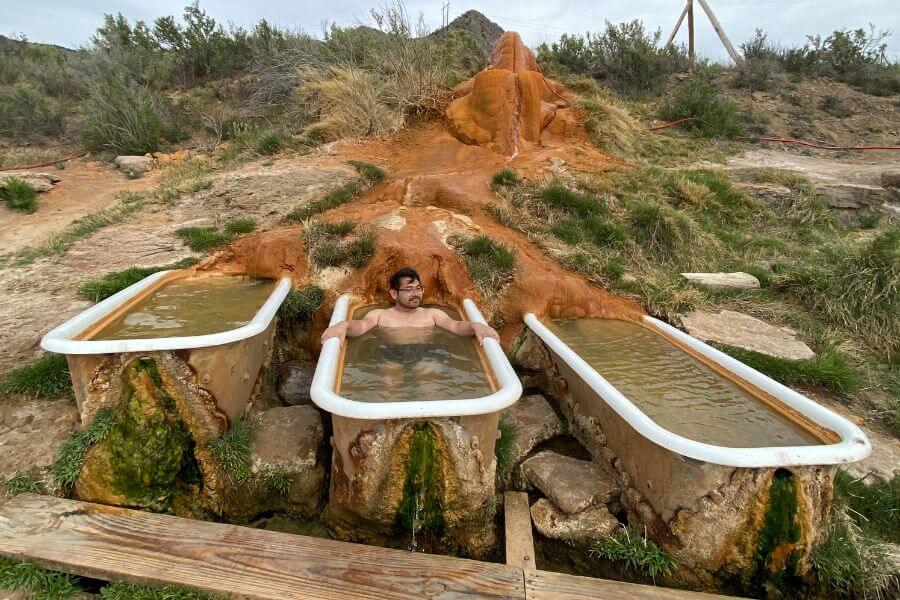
x: 689, y: 13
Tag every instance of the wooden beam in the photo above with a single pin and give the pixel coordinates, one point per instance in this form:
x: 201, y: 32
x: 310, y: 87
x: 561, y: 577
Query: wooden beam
x: 517, y: 521
x: 546, y: 585
x: 690, y: 16
x: 678, y: 25
x: 112, y: 543
x: 721, y: 32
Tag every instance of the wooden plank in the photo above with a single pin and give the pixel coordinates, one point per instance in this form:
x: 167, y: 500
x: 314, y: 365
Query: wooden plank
x: 517, y: 520
x: 721, y: 33
x: 545, y: 585
x: 690, y: 16
x: 149, y: 549
x: 678, y: 25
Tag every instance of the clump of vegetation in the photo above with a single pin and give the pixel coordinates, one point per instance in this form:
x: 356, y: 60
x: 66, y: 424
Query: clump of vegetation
x: 329, y: 247
x: 26, y: 112
x: 623, y: 56
x: 47, y: 377
x: 199, y: 239
x: 503, y: 448
x: 702, y: 100
x: 270, y: 142
x: 73, y: 451
x: 490, y: 263
x: 829, y: 370
x: 39, y: 583
x: 611, y: 125
x: 233, y: 449
x: 279, y: 481
x: 875, y: 505
x: 119, y: 590
x: 21, y: 483
x: 370, y: 175
x: 19, y: 195
x: 420, y: 507
x: 112, y: 283
x: 857, y: 287
x: 637, y: 551
x: 504, y: 178
x: 302, y: 304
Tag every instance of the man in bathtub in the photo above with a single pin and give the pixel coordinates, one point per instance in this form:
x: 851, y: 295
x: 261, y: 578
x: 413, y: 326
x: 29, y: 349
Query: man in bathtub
x: 407, y: 313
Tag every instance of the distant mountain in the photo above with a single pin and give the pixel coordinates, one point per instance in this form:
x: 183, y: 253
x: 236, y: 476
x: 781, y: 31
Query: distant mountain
x: 7, y: 42
x: 483, y: 30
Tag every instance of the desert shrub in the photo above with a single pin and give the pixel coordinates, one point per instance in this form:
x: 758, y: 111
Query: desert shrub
x: 760, y: 63
x: 328, y: 247
x: 270, y: 142
x: 701, y: 99
x: 490, y: 263
x: 828, y: 370
x: 833, y: 105
x: 122, y: 119
x: 25, y: 113
x: 504, y: 178
x: 47, y: 377
x: 637, y: 551
x: 19, y: 195
x: 301, y: 304
x: 625, y: 57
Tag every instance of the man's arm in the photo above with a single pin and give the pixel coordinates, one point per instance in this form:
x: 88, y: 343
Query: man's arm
x: 463, y: 328
x: 352, y: 328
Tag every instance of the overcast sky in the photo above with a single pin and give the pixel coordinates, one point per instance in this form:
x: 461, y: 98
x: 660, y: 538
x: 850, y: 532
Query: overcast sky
x: 72, y: 22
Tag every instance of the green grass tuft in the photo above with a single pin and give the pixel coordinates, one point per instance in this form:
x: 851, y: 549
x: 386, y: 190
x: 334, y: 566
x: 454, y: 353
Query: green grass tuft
x: 638, y: 552
x: 20, y: 483
x: 201, y: 238
x: 489, y: 263
x: 279, y: 481
x: 828, y: 370
x: 371, y: 173
x: 361, y: 249
x: 39, y: 583
x: 874, y: 506
x: 47, y: 377
x: 302, y: 304
x: 233, y: 450
x: 503, y: 448
x: 270, y: 142
x: 19, y: 195
x: 70, y: 457
x: 239, y: 226
x: 120, y: 590
x: 504, y: 178
x: 114, y: 282
x: 851, y: 563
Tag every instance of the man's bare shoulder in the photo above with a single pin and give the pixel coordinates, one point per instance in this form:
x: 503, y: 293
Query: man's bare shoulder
x: 375, y: 314
x: 436, y: 314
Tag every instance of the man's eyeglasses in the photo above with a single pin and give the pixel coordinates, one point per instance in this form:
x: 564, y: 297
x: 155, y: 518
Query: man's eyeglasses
x: 410, y: 290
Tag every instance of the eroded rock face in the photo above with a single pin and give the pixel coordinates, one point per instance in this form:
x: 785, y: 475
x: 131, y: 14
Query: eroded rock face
x: 382, y: 470
x: 294, y: 382
x: 506, y: 106
x: 534, y: 421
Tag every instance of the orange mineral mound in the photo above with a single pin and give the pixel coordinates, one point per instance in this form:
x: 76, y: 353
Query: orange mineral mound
x: 506, y: 106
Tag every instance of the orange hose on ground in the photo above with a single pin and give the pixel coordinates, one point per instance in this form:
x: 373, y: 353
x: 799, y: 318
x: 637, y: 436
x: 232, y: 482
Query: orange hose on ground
x: 45, y: 164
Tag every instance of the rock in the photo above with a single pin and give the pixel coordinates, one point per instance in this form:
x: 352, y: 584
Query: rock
x: 31, y: 432
x: 738, y: 280
x: 535, y: 422
x: 573, y: 485
x: 737, y: 329
x: 591, y: 524
x: 851, y: 195
x: 134, y: 166
x: 40, y: 181
x: 294, y: 381
x: 890, y: 179
x: 530, y: 353
x: 287, y: 441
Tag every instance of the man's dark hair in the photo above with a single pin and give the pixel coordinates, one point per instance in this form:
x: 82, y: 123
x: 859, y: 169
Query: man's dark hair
x: 404, y: 273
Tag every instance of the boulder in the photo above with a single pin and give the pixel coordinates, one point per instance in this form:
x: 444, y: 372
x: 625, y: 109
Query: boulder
x: 851, y: 195
x: 134, y: 166
x: 40, y: 181
x: 591, y: 524
x: 535, y: 421
x: 294, y: 381
x: 738, y: 280
x: 737, y: 329
x: 573, y: 485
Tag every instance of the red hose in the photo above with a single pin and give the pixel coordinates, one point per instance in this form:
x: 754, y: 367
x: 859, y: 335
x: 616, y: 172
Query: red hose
x: 673, y: 123
x: 45, y: 164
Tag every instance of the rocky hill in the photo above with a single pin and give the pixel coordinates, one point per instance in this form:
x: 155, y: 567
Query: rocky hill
x: 482, y: 29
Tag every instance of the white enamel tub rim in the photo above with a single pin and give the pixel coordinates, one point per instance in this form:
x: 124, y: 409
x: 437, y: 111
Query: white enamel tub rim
x: 323, y: 394
x: 61, y: 339
x: 853, y: 445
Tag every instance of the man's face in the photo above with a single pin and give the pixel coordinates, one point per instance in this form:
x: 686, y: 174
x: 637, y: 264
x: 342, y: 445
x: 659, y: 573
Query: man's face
x: 409, y: 294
